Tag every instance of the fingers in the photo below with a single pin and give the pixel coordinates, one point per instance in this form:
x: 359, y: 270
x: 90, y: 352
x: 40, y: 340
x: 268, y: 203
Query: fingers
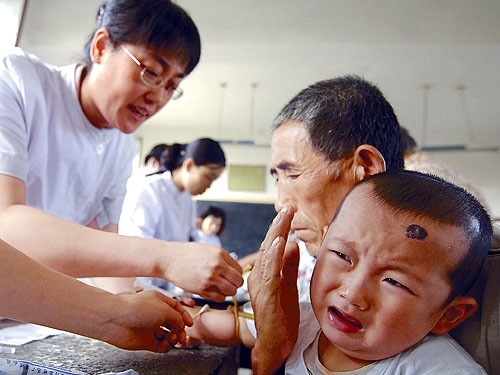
x: 232, y: 272
x: 289, y: 290
x: 188, y: 300
x: 193, y: 342
x: 175, y: 324
x: 224, y: 279
x: 268, y: 262
x: 219, y: 291
x: 230, y: 275
x: 166, y: 339
x: 290, y: 265
x: 280, y: 227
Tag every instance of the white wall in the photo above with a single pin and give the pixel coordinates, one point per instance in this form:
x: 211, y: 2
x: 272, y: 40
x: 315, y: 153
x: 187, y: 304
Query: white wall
x: 400, y: 71
x: 482, y: 169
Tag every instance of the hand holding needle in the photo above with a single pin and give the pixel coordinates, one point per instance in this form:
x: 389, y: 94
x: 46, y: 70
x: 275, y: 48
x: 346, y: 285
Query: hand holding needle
x: 201, y: 311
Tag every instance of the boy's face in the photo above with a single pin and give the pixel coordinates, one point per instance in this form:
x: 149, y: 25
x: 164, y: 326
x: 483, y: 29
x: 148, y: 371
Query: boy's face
x: 381, y: 278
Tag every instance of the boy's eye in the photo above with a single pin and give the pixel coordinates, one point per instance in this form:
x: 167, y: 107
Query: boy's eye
x: 342, y: 256
x: 397, y: 284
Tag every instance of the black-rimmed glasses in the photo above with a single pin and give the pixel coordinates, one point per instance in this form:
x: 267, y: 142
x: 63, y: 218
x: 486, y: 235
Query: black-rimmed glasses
x: 151, y: 79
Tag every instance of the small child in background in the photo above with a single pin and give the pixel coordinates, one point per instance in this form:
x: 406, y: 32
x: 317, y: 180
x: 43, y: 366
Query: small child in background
x: 391, y: 279
x: 211, y: 222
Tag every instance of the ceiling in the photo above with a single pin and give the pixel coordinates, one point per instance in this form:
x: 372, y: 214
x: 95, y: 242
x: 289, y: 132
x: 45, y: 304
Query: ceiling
x: 437, y: 61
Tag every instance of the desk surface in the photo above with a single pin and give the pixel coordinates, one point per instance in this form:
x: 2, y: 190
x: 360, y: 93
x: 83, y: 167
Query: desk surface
x: 95, y: 357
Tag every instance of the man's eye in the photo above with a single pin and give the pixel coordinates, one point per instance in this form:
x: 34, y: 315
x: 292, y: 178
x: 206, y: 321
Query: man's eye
x: 292, y: 175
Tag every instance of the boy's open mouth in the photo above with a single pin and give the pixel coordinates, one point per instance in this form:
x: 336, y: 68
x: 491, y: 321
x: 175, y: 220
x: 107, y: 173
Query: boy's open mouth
x: 343, y: 321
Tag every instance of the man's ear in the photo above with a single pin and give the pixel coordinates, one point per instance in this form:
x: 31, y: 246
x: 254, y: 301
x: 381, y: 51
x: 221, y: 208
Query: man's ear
x: 99, y: 43
x: 367, y: 161
x: 456, y: 312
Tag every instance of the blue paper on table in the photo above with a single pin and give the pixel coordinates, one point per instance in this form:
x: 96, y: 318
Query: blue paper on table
x: 21, y: 367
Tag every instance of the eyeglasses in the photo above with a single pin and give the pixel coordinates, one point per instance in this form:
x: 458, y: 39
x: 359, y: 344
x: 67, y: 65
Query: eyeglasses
x: 151, y: 79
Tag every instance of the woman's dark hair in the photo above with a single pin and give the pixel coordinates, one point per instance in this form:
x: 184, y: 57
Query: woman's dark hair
x: 158, y: 24
x: 215, y: 212
x: 203, y: 151
x: 156, y: 152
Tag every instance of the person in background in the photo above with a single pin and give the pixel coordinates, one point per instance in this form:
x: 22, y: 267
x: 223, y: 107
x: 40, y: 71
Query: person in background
x: 66, y: 152
x: 152, y: 161
x: 137, y: 180
x: 210, y: 222
x: 416, y: 160
x: 165, y: 209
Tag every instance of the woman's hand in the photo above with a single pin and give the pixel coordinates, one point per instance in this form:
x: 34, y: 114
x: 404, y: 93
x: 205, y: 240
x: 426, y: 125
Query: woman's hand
x: 204, y: 269
x: 148, y: 320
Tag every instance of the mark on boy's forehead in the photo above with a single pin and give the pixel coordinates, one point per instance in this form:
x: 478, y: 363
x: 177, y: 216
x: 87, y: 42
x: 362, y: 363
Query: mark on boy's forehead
x: 416, y: 232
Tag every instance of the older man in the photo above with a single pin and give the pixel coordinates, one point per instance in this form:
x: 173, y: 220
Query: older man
x: 326, y: 139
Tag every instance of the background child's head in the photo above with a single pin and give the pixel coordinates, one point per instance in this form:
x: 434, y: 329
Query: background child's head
x: 396, y: 263
x: 212, y: 220
x: 195, y: 165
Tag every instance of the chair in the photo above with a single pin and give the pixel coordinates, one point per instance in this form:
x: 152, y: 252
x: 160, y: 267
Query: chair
x: 480, y: 334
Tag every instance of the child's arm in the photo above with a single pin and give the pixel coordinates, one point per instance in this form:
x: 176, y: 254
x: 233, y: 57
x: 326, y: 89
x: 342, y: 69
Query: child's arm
x: 220, y: 327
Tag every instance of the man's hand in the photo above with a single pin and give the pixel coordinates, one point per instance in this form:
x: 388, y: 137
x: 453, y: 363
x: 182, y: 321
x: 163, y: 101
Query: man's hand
x: 274, y: 296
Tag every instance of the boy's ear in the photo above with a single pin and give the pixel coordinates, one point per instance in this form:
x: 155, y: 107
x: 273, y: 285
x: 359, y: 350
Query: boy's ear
x: 367, y: 162
x: 456, y: 312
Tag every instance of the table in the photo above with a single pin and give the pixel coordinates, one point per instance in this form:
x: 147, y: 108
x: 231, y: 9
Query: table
x: 94, y: 357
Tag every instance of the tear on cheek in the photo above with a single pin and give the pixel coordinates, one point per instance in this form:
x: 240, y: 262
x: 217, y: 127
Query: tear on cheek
x: 416, y: 232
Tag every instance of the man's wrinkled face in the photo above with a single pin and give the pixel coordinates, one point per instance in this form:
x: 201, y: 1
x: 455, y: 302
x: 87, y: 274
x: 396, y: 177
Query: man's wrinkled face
x: 306, y: 181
